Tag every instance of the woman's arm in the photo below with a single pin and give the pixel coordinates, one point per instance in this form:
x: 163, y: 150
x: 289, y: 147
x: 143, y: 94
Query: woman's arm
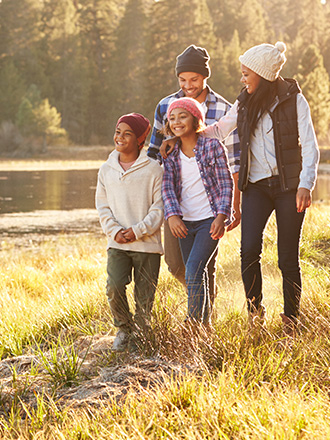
x: 310, y: 154
x: 222, y: 128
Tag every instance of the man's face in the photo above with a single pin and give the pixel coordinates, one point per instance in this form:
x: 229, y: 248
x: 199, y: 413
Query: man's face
x: 192, y: 84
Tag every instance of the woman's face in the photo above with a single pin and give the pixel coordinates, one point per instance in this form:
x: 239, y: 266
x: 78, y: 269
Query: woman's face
x: 250, y: 79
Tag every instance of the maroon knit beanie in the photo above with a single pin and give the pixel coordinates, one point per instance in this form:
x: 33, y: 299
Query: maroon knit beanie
x: 139, y: 124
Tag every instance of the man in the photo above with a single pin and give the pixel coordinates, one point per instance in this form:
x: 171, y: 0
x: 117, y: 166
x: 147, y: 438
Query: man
x: 192, y: 69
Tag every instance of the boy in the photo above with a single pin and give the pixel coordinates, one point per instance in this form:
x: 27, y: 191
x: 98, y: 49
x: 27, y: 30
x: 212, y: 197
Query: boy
x: 130, y: 207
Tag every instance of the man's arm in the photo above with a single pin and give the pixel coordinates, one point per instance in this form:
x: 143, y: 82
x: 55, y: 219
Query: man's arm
x: 156, y: 137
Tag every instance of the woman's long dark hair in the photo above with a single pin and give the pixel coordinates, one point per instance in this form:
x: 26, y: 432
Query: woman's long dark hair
x: 260, y: 101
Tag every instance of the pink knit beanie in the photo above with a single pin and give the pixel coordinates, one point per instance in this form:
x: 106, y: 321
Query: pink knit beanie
x: 189, y: 104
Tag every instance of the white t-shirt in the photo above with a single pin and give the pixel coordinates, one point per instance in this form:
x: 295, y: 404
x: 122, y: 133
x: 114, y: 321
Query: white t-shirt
x: 194, y: 202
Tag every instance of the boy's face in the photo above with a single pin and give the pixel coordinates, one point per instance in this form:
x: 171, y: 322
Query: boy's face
x: 192, y: 84
x: 125, y: 141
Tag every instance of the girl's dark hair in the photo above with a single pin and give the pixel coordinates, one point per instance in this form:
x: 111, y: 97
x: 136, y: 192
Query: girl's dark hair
x: 198, y: 126
x: 260, y: 101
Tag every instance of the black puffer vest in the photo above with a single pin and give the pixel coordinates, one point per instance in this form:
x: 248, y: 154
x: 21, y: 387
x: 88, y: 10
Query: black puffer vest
x: 286, y: 137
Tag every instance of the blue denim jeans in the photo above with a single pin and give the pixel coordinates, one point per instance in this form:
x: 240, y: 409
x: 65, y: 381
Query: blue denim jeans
x: 197, y: 249
x: 259, y: 200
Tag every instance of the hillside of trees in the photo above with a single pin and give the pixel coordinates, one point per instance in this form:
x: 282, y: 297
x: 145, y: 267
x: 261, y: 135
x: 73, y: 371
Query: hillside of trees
x: 70, y: 68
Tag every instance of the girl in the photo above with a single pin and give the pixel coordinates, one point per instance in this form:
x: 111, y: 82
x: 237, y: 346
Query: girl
x: 197, y: 193
x: 279, y: 158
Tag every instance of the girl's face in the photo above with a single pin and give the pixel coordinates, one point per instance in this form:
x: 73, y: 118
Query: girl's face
x: 250, y: 79
x: 181, y: 122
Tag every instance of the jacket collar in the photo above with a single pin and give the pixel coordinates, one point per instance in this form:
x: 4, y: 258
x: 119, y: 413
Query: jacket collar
x: 142, y: 160
x: 286, y: 87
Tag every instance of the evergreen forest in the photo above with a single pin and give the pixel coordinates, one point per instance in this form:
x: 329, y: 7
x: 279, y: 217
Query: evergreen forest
x: 70, y: 68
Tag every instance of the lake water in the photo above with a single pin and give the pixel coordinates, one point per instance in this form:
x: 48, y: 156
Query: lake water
x: 25, y: 191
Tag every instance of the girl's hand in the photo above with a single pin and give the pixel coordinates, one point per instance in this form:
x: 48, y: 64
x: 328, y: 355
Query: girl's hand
x: 217, y: 229
x: 177, y: 227
x: 129, y: 235
x: 120, y: 237
x: 303, y: 199
x: 167, y: 147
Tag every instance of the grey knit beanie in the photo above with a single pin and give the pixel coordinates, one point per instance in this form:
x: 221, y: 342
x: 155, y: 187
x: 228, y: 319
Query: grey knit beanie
x: 266, y: 60
x: 193, y: 59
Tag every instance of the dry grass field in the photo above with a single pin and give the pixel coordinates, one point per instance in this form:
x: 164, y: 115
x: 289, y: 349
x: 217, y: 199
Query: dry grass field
x: 60, y: 380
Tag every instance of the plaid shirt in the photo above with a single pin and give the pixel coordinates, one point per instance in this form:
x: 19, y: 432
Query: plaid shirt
x: 215, y: 106
x: 213, y: 166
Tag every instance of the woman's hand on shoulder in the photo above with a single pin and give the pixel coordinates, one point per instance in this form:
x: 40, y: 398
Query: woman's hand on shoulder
x: 303, y: 199
x: 167, y: 147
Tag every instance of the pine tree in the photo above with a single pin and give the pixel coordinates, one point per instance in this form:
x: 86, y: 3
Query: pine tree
x: 19, y: 36
x: 128, y: 74
x: 66, y: 65
x: 174, y: 26
x: 315, y: 84
x: 96, y: 21
x: 314, y: 26
x: 251, y: 24
x: 12, y: 89
x: 226, y: 77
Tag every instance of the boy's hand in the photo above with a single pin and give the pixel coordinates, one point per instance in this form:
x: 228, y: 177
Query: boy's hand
x: 303, y: 199
x: 167, y: 147
x: 177, y: 227
x: 217, y: 229
x: 120, y: 237
x: 129, y: 235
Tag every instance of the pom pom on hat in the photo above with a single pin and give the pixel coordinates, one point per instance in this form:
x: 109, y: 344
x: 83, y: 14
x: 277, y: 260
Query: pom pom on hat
x: 139, y: 124
x: 265, y: 59
x: 189, y: 104
x: 280, y: 46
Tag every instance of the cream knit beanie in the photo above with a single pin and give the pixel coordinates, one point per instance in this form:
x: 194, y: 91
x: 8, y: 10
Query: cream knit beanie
x: 266, y: 60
